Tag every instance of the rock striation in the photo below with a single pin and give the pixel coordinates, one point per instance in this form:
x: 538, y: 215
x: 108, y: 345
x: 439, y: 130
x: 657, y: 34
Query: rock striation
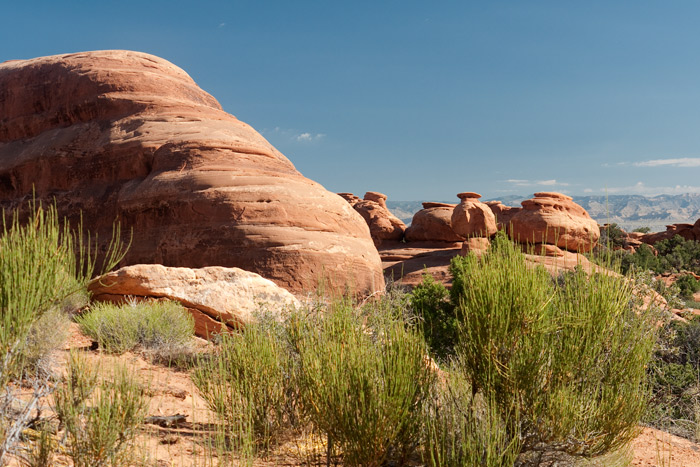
x: 383, y: 225
x: 218, y: 298
x: 129, y: 137
x: 554, y: 219
x: 433, y: 223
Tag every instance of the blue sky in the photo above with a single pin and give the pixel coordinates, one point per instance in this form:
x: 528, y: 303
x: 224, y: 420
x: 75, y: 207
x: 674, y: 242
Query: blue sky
x: 422, y: 100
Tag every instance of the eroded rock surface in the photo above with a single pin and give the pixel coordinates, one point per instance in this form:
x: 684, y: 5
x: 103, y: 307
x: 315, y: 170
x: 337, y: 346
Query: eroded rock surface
x: 218, y: 297
x: 553, y: 218
x: 383, y: 225
x: 433, y: 223
x: 129, y: 137
x: 472, y: 218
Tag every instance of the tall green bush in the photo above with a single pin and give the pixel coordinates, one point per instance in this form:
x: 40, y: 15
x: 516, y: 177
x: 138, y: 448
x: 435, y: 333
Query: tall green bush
x: 569, y: 358
x: 42, y: 264
x: 363, y: 382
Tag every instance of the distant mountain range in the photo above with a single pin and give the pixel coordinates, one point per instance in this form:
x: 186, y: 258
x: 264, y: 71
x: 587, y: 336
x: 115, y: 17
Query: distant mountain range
x: 628, y: 211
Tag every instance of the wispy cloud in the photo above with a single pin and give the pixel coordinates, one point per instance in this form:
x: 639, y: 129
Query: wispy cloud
x: 640, y: 188
x: 552, y: 182
x: 308, y: 137
x: 293, y: 135
x: 221, y: 25
x: 677, y: 162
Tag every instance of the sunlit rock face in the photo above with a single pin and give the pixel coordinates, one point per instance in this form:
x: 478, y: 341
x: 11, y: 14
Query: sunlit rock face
x: 129, y: 137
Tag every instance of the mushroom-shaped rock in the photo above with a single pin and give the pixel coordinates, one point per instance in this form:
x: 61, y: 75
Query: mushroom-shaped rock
x: 127, y: 136
x: 383, y: 225
x: 553, y: 218
x: 472, y: 218
x: 433, y: 223
x: 503, y: 213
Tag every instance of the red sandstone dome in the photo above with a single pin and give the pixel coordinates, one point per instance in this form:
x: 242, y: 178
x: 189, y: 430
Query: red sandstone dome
x: 130, y: 137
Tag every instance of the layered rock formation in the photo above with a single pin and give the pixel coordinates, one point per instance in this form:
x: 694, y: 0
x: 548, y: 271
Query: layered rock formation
x: 553, y: 218
x: 383, y: 225
x: 218, y: 298
x: 129, y: 137
x: 472, y: 218
x: 433, y: 223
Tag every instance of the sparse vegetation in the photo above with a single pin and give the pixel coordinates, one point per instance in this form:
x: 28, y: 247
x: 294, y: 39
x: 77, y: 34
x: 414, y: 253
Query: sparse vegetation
x: 158, y: 327
x: 100, y: 413
x: 43, y: 265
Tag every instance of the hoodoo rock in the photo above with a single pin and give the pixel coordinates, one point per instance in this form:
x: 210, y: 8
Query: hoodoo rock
x: 472, y: 218
x: 433, y: 223
x: 383, y: 225
x: 129, y: 137
x: 554, y: 219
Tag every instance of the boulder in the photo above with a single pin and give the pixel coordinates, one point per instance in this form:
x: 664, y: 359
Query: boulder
x: 503, y: 213
x: 383, y: 225
x: 218, y: 298
x: 433, y: 223
x: 472, y: 218
x: 553, y: 218
x: 476, y: 245
x: 129, y: 137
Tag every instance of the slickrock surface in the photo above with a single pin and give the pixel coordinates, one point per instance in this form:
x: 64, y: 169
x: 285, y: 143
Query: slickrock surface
x: 472, y: 218
x: 217, y: 297
x: 433, y: 223
x: 130, y: 137
x: 383, y: 225
x: 553, y: 218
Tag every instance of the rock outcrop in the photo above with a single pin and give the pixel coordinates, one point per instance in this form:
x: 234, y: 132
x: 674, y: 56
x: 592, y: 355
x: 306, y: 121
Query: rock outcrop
x: 472, y: 218
x: 687, y: 231
x: 553, y: 218
x: 503, y: 213
x: 433, y: 223
x: 383, y: 225
x: 129, y: 137
x: 218, y: 298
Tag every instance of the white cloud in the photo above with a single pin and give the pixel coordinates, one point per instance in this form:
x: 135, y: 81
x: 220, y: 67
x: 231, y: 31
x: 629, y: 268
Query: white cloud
x: 551, y: 182
x: 678, y: 162
x: 293, y: 135
x: 640, y: 188
x: 221, y: 25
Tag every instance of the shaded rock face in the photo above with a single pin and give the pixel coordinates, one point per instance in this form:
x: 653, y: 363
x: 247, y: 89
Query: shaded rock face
x: 433, y: 223
x: 472, y: 218
x: 218, y: 298
x: 503, y: 213
x: 383, y: 225
x: 553, y: 218
x: 687, y: 231
x: 130, y: 137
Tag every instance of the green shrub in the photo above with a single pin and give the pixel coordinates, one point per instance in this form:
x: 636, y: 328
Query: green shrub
x: 569, y: 359
x: 42, y: 265
x: 687, y: 285
x: 642, y: 229
x: 674, y: 376
x: 462, y: 429
x: 246, y: 383
x: 363, y: 381
x: 430, y: 301
x: 157, y: 326
x: 100, y: 413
